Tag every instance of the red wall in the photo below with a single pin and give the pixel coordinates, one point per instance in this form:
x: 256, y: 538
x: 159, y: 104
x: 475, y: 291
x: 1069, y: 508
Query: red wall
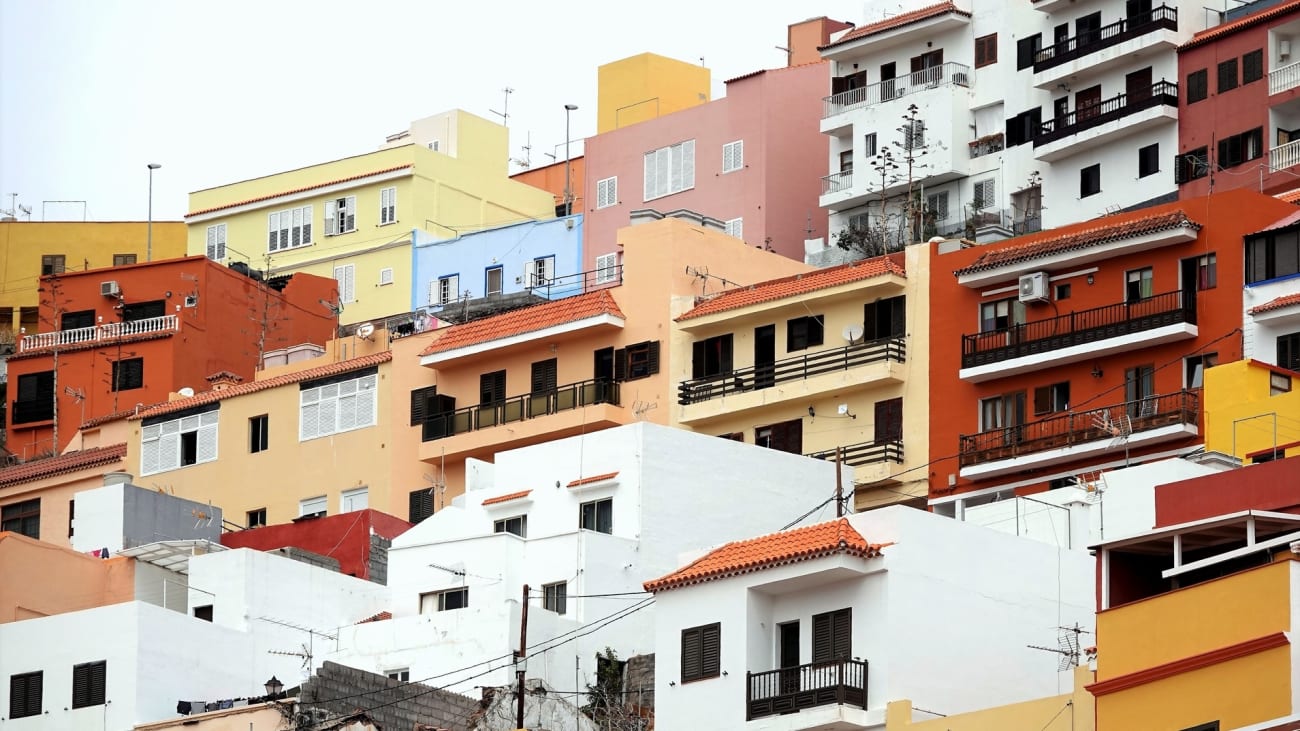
x: 1271, y: 486
x: 344, y: 537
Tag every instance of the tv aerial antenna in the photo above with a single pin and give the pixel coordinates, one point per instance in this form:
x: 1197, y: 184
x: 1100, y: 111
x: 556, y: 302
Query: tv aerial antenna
x: 1068, y: 647
x: 505, y: 113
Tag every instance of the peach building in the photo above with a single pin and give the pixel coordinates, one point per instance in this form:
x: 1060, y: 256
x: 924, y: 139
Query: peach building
x: 36, y: 498
x: 42, y: 579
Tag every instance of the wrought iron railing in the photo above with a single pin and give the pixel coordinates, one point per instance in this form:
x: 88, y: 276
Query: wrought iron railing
x: 1077, y: 328
x: 518, y: 408
x: 837, y: 182
x: 580, y: 283
x: 1027, y: 225
x: 1080, y: 427
x: 1107, y: 110
x: 862, y: 453
x: 798, y: 368
x: 96, y: 333
x: 882, y: 91
x: 1091, y: 41
x: 773, y: 692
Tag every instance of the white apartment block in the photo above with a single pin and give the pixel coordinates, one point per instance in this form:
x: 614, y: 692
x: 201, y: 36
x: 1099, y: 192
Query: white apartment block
x: 1029, y: 115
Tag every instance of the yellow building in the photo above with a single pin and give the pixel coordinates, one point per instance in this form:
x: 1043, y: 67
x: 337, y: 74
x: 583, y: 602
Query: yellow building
x: 29, y: 250
x: 352, y: 219
x: 646, y: 86
x: 1066, y: 712
x: 1252, y: 409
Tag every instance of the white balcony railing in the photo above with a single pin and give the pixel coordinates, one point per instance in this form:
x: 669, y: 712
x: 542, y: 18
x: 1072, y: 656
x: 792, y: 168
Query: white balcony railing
x: 1284, y: 156
x: 1287, y: 77
x: 166, y: 323
x: 837, y: 182
x: 954, y: 74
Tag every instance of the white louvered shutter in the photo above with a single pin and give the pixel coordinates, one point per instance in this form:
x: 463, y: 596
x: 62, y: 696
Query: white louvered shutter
x: 677, y: 182
x: 650, y: 176
x: 663, y: 171
x: 548, y: 268
x: 347, y: 412
x: 207, y: 438
x: 331, y: 218
x: 366, y: 397
x: 350, y: 223
x: 212, y: 242
x: 738, y: 156
x: 345, y: 275
x: 435, y: 287
x: 169, y: 446
x: 688, y: 165
x: 149, y: 462
x: 309, y: 414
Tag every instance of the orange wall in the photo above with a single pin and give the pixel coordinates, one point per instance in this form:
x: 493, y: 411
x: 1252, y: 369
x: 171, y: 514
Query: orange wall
x: 804, y: 38
x: 551, y: 179
x: 55, y: 494
x: 41, y: 579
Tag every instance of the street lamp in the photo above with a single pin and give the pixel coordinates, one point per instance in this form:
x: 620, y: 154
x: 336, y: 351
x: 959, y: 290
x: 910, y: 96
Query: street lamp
x: 568, y: 187
x: 273, y: 686
x: 148, y: 251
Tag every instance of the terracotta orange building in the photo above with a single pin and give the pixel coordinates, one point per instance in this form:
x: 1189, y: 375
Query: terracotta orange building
x: 1083, y: 347
x: 551, y: 178
x: 114, y: 339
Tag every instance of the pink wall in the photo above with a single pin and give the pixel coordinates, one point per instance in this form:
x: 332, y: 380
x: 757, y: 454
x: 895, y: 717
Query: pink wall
x: 776, y: 113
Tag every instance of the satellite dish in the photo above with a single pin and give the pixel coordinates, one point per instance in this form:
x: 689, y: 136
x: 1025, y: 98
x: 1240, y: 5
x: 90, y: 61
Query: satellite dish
x: 365, y: 330
x: 187, y: 392
x: 852, y: 332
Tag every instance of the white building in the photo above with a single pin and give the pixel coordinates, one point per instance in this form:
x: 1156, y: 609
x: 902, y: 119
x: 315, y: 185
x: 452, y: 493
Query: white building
x: 583, y: 521
x: 1029, y: 115
x: 1271, y: 299
x: 820, y: 627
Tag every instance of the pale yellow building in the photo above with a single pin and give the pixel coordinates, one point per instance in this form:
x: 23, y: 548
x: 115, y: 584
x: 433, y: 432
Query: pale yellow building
x: 646, y: 86
x: 352, y: 219
x: 1071, y: 711
x: 1252, y: 409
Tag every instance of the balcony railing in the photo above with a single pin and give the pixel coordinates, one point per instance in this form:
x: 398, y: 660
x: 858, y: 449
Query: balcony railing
x: 862, y: 453
x: 1163, y: 17
x: 580, y: 283
x: 1027, y: 225
x: 698, y: 390
x: 1108, y: 110
x: 837, y: 682
x: 1284, y: 156
x: 836, y: 182
x: 107, y: 331
x: 518, y: 408
x: 986, y: 145
x: 1077, y: 328
x: 882, y: 91
x: 1286, y: 77
x: 1074, y: 428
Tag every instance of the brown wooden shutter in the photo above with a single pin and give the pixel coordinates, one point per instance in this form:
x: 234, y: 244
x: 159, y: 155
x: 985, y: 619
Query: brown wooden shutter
x: 889, y: 420
x: 833, y: 635
x: 697, y: 359
x: 620, y: 364
x: 692, y: 653
x: 420, y: 505
x: 898, y: 317
x: 652, y: 360
x: 420, y: 402
x: 543, y: 376
x: 711, y: 641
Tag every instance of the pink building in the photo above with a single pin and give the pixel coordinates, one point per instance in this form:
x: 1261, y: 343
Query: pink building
x: 752, y: 160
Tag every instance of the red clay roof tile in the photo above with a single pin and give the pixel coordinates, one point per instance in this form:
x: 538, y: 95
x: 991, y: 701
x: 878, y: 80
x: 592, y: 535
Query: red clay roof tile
x: 62, y: 464
x: 507, y: 498
x: 295, y: 191
x: 898, y: 21
x: 381, y: 616
x: 525, y: 320
x: 1286, y: 300
x: 796, y: 284
x: 307, y: 374
x: 776, y: 549
x: 594, y: 478
x: 1220, y: 31
x: 1290, y: 196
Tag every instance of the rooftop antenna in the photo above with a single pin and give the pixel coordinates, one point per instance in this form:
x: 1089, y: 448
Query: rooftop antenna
x: 505, y: 114
x: 25, y: 210
x: 527, y: 147
x: 1068, y: 647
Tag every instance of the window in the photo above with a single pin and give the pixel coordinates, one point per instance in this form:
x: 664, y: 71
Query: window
x: 802, y: 333
x: 1001, y: 315
x: 1288, y: 351
x: 346, y: 276
x: 258, y: 433
x: 1090, y: 180
x: 52, y: 264
x: 25, y: 694
x: 444, y: 290
x: 1052, y: 399
x: 786, y: 436
x: 733, y: 156
x: 936, y: 204
x: 491, y: 388
x: 735, y: 227
x: 1191, y: 165
x: 1137, y: 284
x: 1149, y: 160
x: 492, y: 281
x: 985, y: 194
x: 1252, y: 66
x: 387, y: 206
x: 1024, y: 127
x: 401, y: 675
x: 885, y: 318
x: 203, y: 612
x: 1227, y: 75
x: 172, y: 444
x: 913, y: 134
x: 313, y: 506
x: 24, y: 518
x: 289, y: 229
x: 1268, y: 256
x: 1063, y: 291
x: 543, y: 377
x: 127, y: 374
x: 1027, y: 49
x: 555, y: 597
x: 137, y: 311
x: 701, y: 652
x: 338, y: 406
x: 1198, y: 86
x: 711, y: 357
x: 1200, y: 272
x: 1139, y: 387
x: 539, y: 272
x: 351, y: 501
x: 385, y: 276
x: 88, y: 681
x: 419, y: 505
x: 670, y: 170
x: 1001, y: 412
x: 341, y: 215
x: 597, y: 515
x: 217, y: 242
x: 639, y: 360
x: 35, y: 401
x: 444, y: 601
x: 255, y: 518
x: 72, y: 516
x: 986, y: 50
x: 1211, y: 726
x: 1278, y: 384
x: 518, y: 525
x: 1194, y: 368
x: 869, y: 145
x: 77, y: 320
x: 121, y: 260
x: 832, y: 635
x: 607, y: 268
x: 889, y: 420
x: 606, y: 192
x: 1241, y: 148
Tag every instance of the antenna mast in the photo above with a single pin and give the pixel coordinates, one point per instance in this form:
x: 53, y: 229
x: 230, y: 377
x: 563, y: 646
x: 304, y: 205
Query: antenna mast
x: 505, y: 113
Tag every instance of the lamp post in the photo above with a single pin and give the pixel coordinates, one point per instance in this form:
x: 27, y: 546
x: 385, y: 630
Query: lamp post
x: 148, y: 250
x: 568, y: 186
x: 273, y: 687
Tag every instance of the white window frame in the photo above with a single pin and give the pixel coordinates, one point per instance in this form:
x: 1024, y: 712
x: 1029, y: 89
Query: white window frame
x: 556, y: 595
x: 387, y: 205
x: 669, y: 170
x: 444, y: 290
x: 341, y: 219
x: 736, y: 227
x: 539, y: 271
x: 606, y: 192
x: 160, y: 444
x: 346, y: 276
x: 290, y: 227
x: 487, y: 280
x: 320, y: 501
x: 217, y: 242
x: 436, y: 601
x: 385, y: 276
x: 937, y: 204
x: 332, y: 403
x: 401, y: 675
x: 348, y: 500
x: 607, y: 268
x: 733, y: 156
x: 988, y: 197
x: 869, y: 145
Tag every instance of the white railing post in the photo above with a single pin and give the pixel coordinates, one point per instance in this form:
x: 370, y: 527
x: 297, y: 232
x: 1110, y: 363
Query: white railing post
x: 1284, y: 156
x: 96, y: 333
x: 1286, y: 77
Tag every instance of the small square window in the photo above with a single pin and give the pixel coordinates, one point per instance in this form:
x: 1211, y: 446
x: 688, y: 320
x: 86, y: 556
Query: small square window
x: 444, y: 601
x: 1198, y: 86
x: 127, y: 374
x: 597, y: 515
x: 1194, y: 368
x: 555, y: 597
x: 25, y: 693
x: 803, y: 333
x: 259, y: 430
x: 1090, y: 180
x: 401, y: 675
x: 1063, y: 291
x: 52, y: 264
x: 121, y: 260
x: 203, y: 612
x: 986, y: 50
x: 1148, y: 160
x: 88, y: 684
x: 256, y: 518
x: 1227, y: 75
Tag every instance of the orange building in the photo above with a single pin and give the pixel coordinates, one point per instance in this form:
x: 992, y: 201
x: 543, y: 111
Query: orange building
x: 114, y: 339
x: 551, y: 178
x: 43, y: 580
x: 1083, y: 347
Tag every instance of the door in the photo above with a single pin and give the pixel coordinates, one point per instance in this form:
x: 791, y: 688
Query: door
x: 1137, y: 85
x: 1137, y: 12
x: 1190, y: 280
x: 929, y: 65
x: 1087, y: 30
x: 788, y: 656
x: 1061, y: 110
x: 1085, y: 103
x: 765, y: 356
x: 887, y: 73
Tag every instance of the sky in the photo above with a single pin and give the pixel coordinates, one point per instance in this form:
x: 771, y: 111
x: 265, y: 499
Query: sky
x: 92, y: 91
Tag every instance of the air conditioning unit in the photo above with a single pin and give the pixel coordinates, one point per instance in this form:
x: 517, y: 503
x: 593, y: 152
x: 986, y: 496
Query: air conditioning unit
x: 109, y: 289
x: 1033, y: 287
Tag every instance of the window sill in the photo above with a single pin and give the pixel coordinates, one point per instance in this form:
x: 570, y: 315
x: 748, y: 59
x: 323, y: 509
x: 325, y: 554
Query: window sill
x: 341, y: 233
x: 289, y: 248
x: 666, y: 195
x: 32, y: 425
x: 735, y: 170
x: 381, y: 225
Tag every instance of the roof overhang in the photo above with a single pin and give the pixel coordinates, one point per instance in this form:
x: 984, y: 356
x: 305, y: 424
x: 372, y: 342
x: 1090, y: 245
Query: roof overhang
x: 293, y: 197
x: 886, y: 284
x: 603, y: 320
x: 172, y: 555
x: 1180, y: 234
x: 886, y: 39
x: 1207, y: 532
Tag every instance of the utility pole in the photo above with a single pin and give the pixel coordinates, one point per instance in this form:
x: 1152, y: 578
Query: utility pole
x: 519, y: 658
x: 839, y: 486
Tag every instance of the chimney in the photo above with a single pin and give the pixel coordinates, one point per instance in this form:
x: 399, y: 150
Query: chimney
x: 222, y: 380
x: 117, y: 478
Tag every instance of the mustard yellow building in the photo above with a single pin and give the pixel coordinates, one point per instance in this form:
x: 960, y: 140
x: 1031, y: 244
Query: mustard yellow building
x: 1071, y: 711
x: 646, y: 86
x: 352, y: 219
x: 1252, y: 411
x: 29, y: 250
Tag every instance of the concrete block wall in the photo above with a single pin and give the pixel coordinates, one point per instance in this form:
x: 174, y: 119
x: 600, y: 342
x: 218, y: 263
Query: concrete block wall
x: 392, y: 704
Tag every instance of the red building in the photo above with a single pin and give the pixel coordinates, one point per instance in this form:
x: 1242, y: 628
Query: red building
x: 358, y: 540
x: 1270, y: 486
x: 115, y: 339
x: 1239, y: 115
x: 1083, y: 347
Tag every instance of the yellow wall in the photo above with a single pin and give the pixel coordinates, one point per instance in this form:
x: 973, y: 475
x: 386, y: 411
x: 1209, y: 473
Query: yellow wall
x: 85, y: 245
x: 1238, y: 390
x: 646, y: 86
x: 1042, y: 714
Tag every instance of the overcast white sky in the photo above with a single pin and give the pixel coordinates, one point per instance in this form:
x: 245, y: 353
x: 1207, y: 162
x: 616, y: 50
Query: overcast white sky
x: 219, y: 91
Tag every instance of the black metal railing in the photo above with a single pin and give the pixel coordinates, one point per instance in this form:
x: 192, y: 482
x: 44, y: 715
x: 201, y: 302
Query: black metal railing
x: 1027, y: 225
x: 798, y: 368
x: 518, y: 408
x: 1091, y: 41
x: 1107, y: 110
x: 806, y: 686
x: 1077, y: 328
x: 1079, y: 427
x: 864, y: 453
x: 570, y: 285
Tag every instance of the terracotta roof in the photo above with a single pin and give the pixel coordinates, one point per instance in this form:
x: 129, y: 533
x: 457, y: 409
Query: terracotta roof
x: 777, y: 549
x: 525, y: 320
x: 1290, y: 196
x: 1286, y: 300
x: 377, y: 617
x: 1102, y: 231
x: 797, y: 284
x: 62, y: 464
x: 308, y: 374
x: 764, y: 71
x: 224, y: 376
x: 508, y: 497
x: 295, y: 191
x: 898, y: 21
x: 1220, y: 31
x: 593, y: 478
x: 106, y: 418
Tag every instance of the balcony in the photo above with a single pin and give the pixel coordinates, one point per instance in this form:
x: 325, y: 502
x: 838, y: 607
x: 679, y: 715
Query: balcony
x: 518, y: 408
x: 837, y: 182
x: 1077, y: 336
x: 948, y: 74
x: 788, y: 690
x: 1093, y: 126
x: 1079, y: 435
x: 1284, y: 156
x: 855, y: 455
x: 1127, y: 36
x: 1284, y: 78
x: 97, y: 333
